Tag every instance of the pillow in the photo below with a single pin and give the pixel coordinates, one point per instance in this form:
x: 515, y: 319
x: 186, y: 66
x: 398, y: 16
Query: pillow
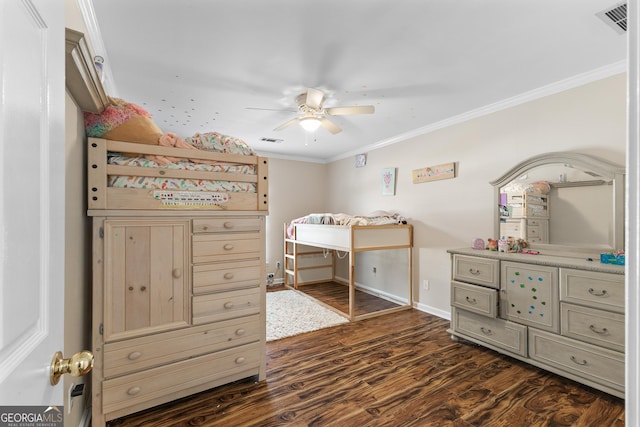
x: 214, y: 141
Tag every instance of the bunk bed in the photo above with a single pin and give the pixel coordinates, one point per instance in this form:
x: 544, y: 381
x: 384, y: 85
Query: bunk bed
x: 335, y: 233
x: 178, y: 272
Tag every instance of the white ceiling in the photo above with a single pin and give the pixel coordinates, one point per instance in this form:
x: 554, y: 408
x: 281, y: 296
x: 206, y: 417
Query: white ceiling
x: 201, y: 65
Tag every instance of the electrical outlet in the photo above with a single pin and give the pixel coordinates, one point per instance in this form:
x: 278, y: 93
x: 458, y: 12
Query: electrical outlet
x: 425, y: 284
x: 270, y: 276
x: 277, y: 265
x: 375, y: 270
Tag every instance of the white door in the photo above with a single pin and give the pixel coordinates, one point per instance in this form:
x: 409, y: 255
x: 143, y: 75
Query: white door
x: 32, y: 165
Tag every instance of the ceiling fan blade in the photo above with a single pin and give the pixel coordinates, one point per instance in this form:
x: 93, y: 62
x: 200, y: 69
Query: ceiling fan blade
x: 287, y: 124
x: 346, y: 111
x: 329, y: 125
x: 314, y: 98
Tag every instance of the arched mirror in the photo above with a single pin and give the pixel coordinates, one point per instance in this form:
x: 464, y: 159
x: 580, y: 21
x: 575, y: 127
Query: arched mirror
x: 562, y: 203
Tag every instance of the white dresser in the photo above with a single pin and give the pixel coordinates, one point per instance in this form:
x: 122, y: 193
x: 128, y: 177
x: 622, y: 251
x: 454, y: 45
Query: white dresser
x: 565, y: 315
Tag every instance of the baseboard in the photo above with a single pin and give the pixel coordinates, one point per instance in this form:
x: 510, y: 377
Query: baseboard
x: 432, y: 310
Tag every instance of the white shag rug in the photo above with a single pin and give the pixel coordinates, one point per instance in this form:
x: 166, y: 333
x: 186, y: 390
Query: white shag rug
x: 289, y: 313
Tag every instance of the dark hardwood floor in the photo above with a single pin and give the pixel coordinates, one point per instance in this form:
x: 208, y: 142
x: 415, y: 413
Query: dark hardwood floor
x: 400, y: 369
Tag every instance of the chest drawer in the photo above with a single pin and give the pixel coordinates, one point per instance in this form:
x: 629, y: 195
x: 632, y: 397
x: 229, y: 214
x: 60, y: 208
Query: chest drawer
x: 152, y: 384
x: 593, y: 326
x: 226, y: 305
x: 142, y: 353
x: 225, y: 247
x: 481, y: 271
x: 497, y: 332
x: 593, y: 289
x: 226, y: 224
x: 220, y: 276
x: 475, y: 298
x: 600, y: 365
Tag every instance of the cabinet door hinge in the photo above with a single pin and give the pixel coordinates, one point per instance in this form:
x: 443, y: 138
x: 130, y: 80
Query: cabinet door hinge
x: 101, y: 233
x: 101, y: 329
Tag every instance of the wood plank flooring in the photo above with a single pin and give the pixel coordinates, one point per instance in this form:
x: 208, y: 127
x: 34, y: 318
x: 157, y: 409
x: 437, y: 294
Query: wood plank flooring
x: 400, y: 369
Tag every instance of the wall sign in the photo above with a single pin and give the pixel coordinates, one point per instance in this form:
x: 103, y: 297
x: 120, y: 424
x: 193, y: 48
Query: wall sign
x: 434, y: 173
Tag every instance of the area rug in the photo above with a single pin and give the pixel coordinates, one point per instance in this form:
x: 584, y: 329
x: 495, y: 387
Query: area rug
x: 289, y: 313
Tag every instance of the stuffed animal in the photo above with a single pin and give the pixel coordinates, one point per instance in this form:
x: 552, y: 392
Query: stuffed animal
x: 492, y: 244
x: 521, y: 244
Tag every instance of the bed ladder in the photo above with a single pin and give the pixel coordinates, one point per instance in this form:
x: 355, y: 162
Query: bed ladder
x: 291, y: 257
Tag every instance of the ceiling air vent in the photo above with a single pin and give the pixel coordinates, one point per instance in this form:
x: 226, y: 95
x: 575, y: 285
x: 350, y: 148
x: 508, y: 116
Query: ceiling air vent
x: 615, y: 17
x: 272, y: 140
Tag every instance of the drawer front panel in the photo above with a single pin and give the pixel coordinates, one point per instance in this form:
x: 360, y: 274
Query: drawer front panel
x: 142, y: 353
x: 597, y: 364
x: 497, y: 332
x: 593, y: 326
x: 226, y: 305
x: 593, y: 289
x: 481, y: 271
x: 475, y: 298
x: 225, y: 247
x: 226, y: 224
x: 220, y: 276
x: 135, y: 389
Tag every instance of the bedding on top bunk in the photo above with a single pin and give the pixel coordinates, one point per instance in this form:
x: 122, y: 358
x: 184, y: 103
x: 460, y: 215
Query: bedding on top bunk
x: 375, y: 218
x: 211, y: 141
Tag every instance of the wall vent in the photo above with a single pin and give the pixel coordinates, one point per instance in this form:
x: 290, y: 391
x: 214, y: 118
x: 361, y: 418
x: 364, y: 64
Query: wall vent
x: 615, y: 17
x: 272, y: 140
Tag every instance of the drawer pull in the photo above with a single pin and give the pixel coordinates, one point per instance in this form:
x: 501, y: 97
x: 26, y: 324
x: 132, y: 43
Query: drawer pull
x: 228, y: 225
x: 596, y: 294
x: 578, y: 362
x: 486, y: 331
x: 133, y: 391
x: 474, y: 272
x: 471, y: 300
x: 177, y: 273
x: 240, y: 360
x: 134, y: 355
x: 228, y: 247
x: 228, y: 276
x: 228, y: 305
x: 240, y: 332
x: 603, y: 331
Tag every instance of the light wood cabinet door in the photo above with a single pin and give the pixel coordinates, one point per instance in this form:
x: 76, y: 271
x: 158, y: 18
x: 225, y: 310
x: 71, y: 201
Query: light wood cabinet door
x: 146, y: 277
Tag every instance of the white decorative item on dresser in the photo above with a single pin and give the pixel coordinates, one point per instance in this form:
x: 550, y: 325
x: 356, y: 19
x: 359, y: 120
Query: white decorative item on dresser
x: 565, y: 315
x: 178, y: 288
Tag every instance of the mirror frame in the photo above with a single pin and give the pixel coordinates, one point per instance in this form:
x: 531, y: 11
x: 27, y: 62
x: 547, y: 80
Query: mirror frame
x: 610, y: 171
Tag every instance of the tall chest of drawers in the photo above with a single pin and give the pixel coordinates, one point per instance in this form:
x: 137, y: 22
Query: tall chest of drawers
x: 178, y: 307
x: 561, y: 314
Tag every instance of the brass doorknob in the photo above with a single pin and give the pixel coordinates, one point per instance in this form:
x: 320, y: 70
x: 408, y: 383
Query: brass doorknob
x: 79, y: 364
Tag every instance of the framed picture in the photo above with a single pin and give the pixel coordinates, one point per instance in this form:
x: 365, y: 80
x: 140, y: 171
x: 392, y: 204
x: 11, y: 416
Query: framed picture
x: 361, y: 160
x: 388, y: 180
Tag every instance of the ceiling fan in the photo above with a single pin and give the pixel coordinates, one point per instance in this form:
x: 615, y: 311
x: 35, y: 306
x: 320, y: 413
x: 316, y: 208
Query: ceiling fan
x: 313, y: 115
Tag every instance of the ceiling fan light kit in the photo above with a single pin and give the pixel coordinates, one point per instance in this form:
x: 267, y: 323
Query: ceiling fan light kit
x: 310, y: 124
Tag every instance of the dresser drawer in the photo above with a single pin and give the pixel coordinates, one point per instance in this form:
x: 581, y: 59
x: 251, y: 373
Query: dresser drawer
x: 475, y: 298
x: 157, y: 383
x: 481, y: 271
x: 593, y: 289
x: 594, y: 326
x: 496, y: 332
x: 226, y: 305
x: 597, y: 364
x: 226, y: 224
x: 534, y: 222
x: 225, y: 247
x: 533, y: 232
x: 221, y: 276
x: 142, y: 353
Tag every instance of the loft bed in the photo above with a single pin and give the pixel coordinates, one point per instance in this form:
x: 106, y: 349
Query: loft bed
x: 328, y: 233
x: 195, y: 180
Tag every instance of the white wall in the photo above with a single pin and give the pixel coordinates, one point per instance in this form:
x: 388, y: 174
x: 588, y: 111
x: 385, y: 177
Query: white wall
x: 446, y: 214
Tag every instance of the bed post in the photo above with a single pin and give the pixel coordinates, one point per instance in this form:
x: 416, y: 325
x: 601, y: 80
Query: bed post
x: 262, y: 189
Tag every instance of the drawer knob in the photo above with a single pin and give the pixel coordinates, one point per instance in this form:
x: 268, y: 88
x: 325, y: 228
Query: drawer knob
x: 486, y: 331
x: 228, y: 305
x: 474, y: 272
x: 228, y: 247
x: 228, y: 225
x: 240, y: 360
x: 134, y: 355
x: 471, y: 300
x: 602, y: 293
x: 602, y: 331
x: 177, y: 273
x: 133, y: 391
x: 240, y: 332
x: 578, y: 362
x: 228, y: 276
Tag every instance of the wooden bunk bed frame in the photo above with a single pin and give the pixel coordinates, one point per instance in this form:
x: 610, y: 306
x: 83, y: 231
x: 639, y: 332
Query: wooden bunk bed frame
x: 350, y: 239
x: 102, y: 197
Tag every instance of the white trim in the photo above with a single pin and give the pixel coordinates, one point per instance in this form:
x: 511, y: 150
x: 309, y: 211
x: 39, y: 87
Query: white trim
x: 432, y: 310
